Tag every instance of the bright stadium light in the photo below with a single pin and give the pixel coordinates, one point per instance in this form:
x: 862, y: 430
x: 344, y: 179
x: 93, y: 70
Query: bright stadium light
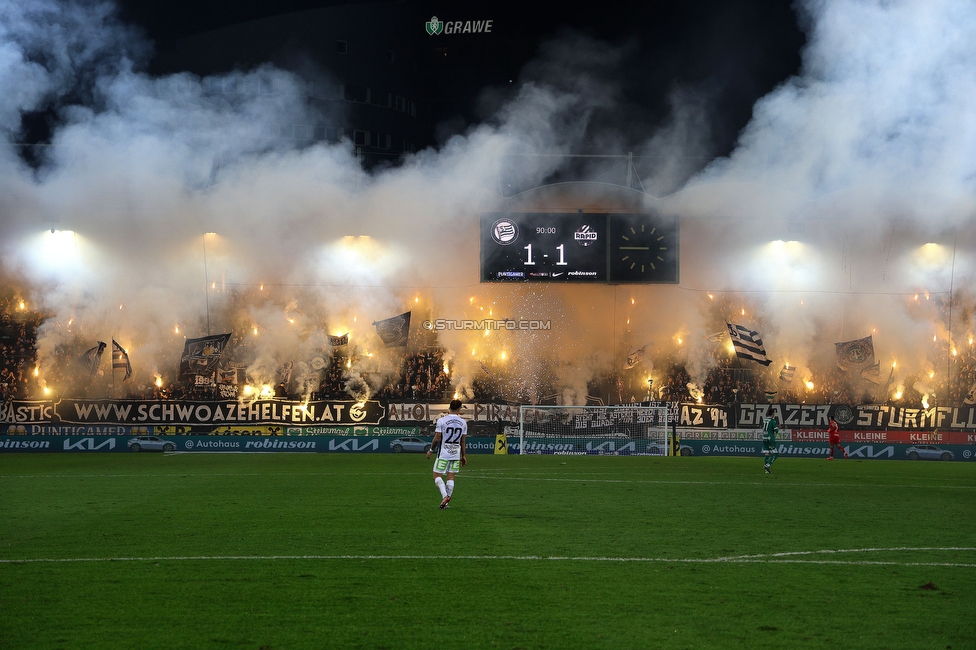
x: 796, y: 264
x: 58, y: 253
x: 932, y: 256
x: 359, y: 259
x: 62, y: 241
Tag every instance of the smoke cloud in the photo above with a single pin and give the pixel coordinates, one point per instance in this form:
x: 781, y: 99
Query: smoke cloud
x: 163, y: 210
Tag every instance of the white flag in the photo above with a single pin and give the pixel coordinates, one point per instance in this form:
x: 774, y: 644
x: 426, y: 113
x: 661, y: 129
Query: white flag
x: 748, y: 344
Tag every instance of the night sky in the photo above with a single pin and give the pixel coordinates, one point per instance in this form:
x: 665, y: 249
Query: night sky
x: 729, y: 54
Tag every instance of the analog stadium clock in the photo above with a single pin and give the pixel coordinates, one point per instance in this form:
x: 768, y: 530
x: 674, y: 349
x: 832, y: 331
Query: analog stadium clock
x: 643, y: 248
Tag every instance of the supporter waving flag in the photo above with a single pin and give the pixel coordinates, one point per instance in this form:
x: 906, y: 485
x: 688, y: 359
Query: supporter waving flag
x: 634, y: 356
x: 120, y: 360
x: 394, y: 331
x: 200, y: 356
x: 93, y: 357
x: 855, y: 355
x: 748, y: 344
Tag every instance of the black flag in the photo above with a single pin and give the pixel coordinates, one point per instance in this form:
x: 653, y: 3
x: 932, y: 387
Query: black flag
x: 93, y: 357
x: 200, y: 356
x: 394, y: 331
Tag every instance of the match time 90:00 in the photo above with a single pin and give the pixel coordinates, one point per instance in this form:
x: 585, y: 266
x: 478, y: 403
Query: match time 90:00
x: 545, y: 230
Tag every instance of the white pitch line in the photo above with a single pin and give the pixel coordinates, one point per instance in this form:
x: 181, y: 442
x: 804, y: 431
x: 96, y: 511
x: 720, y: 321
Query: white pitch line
x: 770, y: 558
x: 211, y: 475
x: 756, y: 482
x: 481, y: 474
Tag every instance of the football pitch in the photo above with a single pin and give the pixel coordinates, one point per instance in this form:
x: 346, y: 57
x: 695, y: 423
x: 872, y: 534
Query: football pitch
x: 351, y: 551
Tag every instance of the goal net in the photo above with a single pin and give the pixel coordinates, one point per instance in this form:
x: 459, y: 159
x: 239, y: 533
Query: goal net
x: 625, y: 430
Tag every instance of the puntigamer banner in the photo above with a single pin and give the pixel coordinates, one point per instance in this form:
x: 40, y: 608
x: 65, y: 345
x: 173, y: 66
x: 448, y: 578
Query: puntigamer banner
x: 145, y: 412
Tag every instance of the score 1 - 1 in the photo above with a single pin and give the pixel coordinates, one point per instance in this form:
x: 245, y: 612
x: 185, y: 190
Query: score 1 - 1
x: 562, y: 255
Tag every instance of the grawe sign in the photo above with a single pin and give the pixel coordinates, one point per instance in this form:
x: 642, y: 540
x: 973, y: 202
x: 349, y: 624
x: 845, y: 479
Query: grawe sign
x: 435, y: 26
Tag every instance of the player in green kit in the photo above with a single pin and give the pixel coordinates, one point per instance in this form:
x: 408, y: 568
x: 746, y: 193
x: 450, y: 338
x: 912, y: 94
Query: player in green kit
x: 769, y: 430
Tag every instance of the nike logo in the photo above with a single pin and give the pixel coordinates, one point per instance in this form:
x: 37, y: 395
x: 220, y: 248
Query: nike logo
x: 555, y: 275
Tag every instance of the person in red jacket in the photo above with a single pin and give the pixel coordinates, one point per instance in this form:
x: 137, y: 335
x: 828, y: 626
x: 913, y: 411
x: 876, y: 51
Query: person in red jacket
x: 833, y: 433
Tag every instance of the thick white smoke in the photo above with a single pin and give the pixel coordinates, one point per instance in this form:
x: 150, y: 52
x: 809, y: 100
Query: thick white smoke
x: 862, y: 158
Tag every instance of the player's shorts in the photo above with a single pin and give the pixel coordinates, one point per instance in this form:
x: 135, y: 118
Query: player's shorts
x: 768, y: 446
x: 444, y: 466
x: 835, y: 440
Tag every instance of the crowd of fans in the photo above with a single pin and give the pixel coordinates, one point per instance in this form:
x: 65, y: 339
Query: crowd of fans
x: 401, y: 375
x: 18, y: 347
x: 423, y: 373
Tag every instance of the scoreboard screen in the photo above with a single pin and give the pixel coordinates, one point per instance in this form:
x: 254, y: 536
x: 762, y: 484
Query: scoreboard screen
x: 544, y: 247
x: 579, y: 247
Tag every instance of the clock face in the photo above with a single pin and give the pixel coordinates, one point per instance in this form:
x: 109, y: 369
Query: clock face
x: 643, y: 248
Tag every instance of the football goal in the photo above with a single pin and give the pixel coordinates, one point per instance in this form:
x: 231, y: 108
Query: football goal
x: 625, y: 430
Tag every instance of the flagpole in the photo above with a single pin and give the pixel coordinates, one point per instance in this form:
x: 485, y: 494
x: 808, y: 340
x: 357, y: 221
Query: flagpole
x: 890, y: 375
x: 206, y: 280
x: 613, y: 354
x: 952, y: 273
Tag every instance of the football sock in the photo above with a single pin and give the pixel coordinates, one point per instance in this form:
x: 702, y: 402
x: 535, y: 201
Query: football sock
x: 450, y: 487
x: 439, y: 482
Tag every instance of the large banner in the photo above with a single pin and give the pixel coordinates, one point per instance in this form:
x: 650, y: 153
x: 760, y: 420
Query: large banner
x: 900, y: 436
x: 147, y: 412
x: 715, y: 416
x: 684, y: 415
x: 429, y: 412
x: 60, y: 416
x: 859, y: 417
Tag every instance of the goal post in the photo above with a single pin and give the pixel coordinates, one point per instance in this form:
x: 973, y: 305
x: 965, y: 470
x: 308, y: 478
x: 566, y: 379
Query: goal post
x: 624, y: 430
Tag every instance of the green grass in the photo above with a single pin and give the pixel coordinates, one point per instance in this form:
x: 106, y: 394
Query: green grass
x: 535, y: 552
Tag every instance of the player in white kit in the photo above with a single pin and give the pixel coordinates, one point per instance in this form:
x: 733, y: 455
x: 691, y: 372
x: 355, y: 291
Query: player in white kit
x: 452, y: 432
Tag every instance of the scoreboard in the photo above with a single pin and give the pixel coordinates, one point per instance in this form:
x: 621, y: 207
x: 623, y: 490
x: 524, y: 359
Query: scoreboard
x: 579, y: 247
